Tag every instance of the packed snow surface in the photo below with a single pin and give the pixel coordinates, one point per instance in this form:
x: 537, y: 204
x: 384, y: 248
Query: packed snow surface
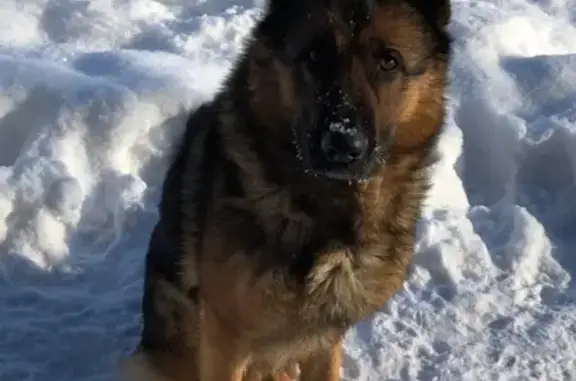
x: 93, y: 92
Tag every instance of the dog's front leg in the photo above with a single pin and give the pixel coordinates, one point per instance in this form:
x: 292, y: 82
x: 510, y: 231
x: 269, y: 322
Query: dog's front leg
x: 220, y: 357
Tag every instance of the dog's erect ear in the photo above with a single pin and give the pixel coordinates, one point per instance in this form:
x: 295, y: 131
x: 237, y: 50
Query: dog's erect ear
x: 286, y: 26
x: 443, y: 9
x: 436, y: 12
x: 279, y: 18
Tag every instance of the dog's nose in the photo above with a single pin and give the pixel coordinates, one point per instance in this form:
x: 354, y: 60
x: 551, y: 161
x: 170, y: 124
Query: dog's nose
x: 344, y: 145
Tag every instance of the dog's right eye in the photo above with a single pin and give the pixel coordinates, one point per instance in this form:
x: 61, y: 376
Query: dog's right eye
x: 313, y: 55
x: 322, y: 49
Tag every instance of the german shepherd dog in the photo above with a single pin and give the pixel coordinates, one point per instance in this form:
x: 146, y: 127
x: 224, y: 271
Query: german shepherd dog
x: 288, y: 213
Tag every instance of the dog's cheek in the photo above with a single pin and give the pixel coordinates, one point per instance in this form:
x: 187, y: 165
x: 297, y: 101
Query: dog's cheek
x: 272, y: 91
x: 421, y: 112
x: 285, y: 87
x: 383, y: 103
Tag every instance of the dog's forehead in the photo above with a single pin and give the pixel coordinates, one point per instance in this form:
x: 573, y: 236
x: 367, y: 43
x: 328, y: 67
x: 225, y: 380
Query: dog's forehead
x: 353, y: 22
x: 394, y: 22
x: 353, y: 13
x: 361, y: 14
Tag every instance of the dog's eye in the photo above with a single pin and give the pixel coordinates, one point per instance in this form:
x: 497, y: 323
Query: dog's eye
x: 387, y: 60
x: 321, y: 50
x: 388, y: 63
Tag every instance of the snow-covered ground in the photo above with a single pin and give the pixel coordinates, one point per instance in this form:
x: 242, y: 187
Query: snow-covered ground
x: 93, y: 91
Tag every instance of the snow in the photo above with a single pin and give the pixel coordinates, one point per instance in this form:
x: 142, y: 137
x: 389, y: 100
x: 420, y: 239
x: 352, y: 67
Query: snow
x: 93, y: 92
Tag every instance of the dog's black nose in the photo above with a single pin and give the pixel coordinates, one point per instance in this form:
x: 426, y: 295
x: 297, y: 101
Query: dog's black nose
x: 344, y: 145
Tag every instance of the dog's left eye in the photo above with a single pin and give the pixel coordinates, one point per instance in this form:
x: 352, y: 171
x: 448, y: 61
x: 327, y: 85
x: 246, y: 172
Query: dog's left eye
x: 388, y: 63
x: 387, y: 60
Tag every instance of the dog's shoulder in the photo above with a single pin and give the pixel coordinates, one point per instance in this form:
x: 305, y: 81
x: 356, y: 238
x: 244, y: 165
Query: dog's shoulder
x: 182, y: 180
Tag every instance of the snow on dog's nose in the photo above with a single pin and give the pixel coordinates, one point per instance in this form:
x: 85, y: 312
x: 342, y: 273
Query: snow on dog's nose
x: 343, y: 143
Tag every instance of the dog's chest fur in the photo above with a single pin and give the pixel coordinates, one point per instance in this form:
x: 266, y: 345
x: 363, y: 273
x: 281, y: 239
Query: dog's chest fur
x: 315, y: 276
x: 332, y: 257
x: 293, y: 262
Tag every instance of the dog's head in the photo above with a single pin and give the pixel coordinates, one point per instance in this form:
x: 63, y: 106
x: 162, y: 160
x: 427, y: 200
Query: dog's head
x: 349, y: 82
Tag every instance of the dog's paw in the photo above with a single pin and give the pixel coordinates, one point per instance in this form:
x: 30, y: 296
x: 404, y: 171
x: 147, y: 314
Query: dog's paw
x: 290, y: 372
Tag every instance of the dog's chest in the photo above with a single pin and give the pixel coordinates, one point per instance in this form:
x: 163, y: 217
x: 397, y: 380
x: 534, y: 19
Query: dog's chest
x: 332, y: 299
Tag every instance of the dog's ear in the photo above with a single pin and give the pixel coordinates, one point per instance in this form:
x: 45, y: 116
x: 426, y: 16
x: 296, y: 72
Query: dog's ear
x: 436, y: 12
x: 279, y: 18
x: 286, y: 26
x: 443, y: 9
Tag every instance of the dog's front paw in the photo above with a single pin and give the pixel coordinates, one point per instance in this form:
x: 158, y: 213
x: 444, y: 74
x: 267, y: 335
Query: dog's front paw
x: 290, y: 372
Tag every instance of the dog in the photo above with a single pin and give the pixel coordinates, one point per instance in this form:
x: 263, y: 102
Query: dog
x: 289, y: 210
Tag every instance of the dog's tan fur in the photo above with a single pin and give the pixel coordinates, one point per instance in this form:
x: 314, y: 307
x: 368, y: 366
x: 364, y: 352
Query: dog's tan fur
x: 226, y: 298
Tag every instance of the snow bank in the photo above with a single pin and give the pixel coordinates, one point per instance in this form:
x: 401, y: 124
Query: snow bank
x: 93, y: 92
